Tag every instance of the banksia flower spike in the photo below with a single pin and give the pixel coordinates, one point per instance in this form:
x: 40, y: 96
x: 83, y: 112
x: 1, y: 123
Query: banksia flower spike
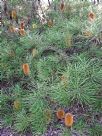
x: 11, y: 29
x: 48, y: 115
x: 64, y: 80
x: 91, y: 16
x: 50, y: 23
x: 26, y: 69
x: 16, y: 105
x: 22, y: 25
x: 60, y: 114
x: 87, y: 34
x: 22, y: 32
x: 69, y: 40
x: 11, y: 53
x: 34, y: 26
x: 14, y: 14
x: 34, y: 52
x: 62, y: 6
x: 68, y: 119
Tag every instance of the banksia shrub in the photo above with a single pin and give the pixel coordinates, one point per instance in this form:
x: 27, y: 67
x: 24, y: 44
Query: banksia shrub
x: 68, y: 119
x: 60, y: 113
x: 26, y: 69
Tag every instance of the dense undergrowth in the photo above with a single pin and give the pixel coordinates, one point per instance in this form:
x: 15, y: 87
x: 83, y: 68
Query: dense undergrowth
x: 65, y: 63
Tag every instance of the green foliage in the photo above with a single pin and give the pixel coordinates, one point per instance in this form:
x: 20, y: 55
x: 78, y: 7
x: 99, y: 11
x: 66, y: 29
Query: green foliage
x: 81, y: 86
x: 95, y: 130
x: 22, y: 121
x: 46, y: 67
x: 52, y: 82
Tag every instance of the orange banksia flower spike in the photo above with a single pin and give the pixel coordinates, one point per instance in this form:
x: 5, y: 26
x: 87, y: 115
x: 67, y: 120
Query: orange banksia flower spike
x: 62, y: 6
x: 68, y: 120
x: 22, y: 25
x: 60, y: 113
x: 22, y: 32
x: 26, y: 69
x: 91, y: 16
